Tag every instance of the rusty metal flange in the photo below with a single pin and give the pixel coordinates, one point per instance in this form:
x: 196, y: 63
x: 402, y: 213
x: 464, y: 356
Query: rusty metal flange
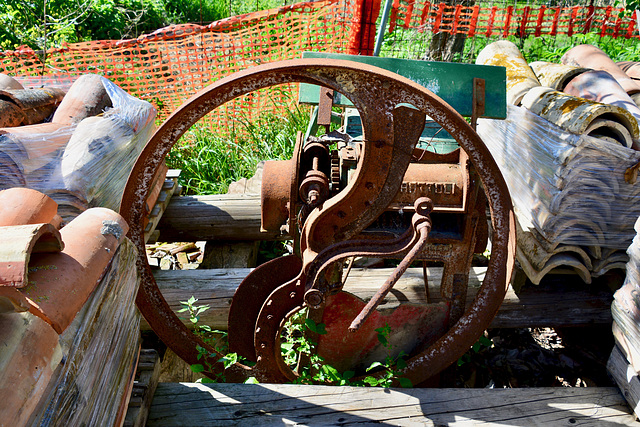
x: 368, y: 88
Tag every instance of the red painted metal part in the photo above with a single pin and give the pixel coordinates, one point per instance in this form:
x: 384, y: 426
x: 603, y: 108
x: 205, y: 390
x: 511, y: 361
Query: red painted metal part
x: 411, y: 326
x: 376, y: 93
x: 279, y: 187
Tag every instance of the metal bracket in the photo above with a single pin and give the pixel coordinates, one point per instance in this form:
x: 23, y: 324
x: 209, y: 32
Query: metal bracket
x: 478, y: 101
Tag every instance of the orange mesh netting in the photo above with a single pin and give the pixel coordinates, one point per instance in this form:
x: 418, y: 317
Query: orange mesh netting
x: 520, y: 21
x: 171, y: 64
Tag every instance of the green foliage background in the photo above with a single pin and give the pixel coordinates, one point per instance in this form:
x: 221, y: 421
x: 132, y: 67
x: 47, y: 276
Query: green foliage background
x: 42, y: 24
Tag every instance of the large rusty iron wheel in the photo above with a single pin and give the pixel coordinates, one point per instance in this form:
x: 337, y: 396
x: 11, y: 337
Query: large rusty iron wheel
x: 375, y: 93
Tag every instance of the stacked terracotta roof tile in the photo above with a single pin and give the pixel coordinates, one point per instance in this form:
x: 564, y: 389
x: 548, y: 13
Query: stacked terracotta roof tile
x: 568, y: 151
x: 624, y: 362
x: 47, y: 275
x: 69, y: 329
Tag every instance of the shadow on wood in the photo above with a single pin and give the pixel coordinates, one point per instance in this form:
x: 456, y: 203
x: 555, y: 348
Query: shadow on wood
x: 189, y: 404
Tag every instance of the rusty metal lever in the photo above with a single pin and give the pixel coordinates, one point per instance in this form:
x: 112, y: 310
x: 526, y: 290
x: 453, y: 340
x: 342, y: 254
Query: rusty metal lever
x: 424, y: 206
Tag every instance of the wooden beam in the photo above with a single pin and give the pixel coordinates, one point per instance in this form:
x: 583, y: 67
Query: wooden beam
x: 217, y: 217
x: 194, y: 404
x: 534, y: 306
x: 626, y: 377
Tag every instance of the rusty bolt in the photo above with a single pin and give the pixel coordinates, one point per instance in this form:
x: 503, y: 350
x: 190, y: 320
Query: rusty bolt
x: 313, y: 197
x: 314, y: 298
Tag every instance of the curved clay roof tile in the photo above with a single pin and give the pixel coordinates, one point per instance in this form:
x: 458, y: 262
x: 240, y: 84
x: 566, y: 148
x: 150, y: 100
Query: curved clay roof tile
x: 20, y: 206
x: 19, y: 242
x: 60, y: 283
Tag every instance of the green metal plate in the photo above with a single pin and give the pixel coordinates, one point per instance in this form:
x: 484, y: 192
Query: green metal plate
x: 452, y: 82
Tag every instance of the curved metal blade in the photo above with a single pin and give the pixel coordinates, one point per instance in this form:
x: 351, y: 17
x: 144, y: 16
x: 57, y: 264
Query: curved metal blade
x: 249, y: 298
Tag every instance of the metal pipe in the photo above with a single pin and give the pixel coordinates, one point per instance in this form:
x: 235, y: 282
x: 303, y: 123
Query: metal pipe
x: 383, y: 27
x: 423, y: 229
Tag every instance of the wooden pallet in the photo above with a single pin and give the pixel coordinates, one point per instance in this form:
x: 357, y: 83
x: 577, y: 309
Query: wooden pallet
x: 144, y: 387
x: 169, y: 188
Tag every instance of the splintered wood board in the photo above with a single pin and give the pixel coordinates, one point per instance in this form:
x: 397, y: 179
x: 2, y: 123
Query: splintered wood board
x: 193, y: 404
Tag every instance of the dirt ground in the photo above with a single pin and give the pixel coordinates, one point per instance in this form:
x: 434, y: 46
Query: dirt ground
x: 536, y: 357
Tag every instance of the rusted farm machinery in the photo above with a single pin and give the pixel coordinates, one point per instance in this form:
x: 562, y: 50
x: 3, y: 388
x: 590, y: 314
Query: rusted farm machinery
x: 382, y: 197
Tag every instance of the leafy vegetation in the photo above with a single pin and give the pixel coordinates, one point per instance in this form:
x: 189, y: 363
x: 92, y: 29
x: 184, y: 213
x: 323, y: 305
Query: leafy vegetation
x: 411, y: 44
x: 551, y: 49
x: 211, y: 160
x: 42, y: 24
x: 299, y: 352
x: 215, y: 338
x: 298, y: 347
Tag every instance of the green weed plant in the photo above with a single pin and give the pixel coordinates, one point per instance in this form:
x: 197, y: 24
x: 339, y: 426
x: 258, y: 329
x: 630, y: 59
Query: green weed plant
x: 299, y: 353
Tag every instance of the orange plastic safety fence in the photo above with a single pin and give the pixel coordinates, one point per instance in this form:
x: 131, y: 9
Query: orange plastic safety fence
x: 521, y: 21
x: 171, y: 64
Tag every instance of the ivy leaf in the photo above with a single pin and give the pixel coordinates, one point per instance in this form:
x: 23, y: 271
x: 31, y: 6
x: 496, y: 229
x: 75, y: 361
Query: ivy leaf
x: 229, y: 360
x: 405, y: 382
x: 197, y: 368
x: 374, y: 365
x: 371, y: 381
x: 331, y: 372
x: 401, y: 363
x: 486, y: 341
x: 383, y: 340
x: 287, y: 346
x: 202, y: 308
x: 318, y: 328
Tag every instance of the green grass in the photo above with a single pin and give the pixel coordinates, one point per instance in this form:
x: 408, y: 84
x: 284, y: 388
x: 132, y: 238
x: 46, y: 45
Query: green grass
x: 551, y: 49
x: 411, y: 44
x: 210, y: 160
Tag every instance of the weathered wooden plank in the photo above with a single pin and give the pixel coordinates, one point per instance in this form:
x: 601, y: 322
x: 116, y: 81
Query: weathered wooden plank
x: 223, y: 217
x: 626, y: 377
x: 452, y: 82
x: 191, y: 404
x: 558, y: 305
